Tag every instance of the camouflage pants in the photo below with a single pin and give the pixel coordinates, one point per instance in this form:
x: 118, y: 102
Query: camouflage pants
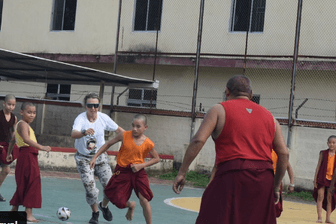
x: 102, y: 170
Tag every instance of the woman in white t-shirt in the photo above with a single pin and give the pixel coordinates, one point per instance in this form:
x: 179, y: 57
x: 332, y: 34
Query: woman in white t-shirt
x: 88, y: 132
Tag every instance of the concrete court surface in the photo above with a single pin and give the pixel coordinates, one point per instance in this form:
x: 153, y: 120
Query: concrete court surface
x: 167, y: 207
x: 59, y: 192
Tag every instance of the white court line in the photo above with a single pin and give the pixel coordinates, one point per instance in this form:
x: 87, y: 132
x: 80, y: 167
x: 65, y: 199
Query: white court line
x: 168, y: 202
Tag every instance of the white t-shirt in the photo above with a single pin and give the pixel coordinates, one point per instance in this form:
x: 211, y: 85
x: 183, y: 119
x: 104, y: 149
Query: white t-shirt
x: 90, y: 144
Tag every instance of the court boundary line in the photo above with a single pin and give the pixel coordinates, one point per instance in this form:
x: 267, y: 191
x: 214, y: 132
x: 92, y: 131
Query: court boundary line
x: 168, y: 202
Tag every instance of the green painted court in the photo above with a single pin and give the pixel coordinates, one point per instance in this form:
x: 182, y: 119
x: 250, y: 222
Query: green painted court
x: 59, y: 192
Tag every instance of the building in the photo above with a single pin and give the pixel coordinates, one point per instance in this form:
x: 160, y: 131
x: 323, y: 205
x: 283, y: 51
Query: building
x: 160, y: 40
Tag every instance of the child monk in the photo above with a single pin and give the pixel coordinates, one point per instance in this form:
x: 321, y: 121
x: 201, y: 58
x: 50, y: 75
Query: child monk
x: 27, y: 172
x: 7, y: 124
x: 129, y: 172
x: 322, y: 181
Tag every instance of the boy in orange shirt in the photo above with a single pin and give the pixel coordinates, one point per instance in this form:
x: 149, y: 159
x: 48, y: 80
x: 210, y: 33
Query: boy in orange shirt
x: 129, y: 172
x: 322, y: 181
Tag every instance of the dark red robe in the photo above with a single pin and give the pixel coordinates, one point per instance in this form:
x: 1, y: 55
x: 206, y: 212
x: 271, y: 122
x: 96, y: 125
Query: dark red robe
x: 3, y: 152
x: 323, y: 181
x: 123, y: 181
x: 242, y: 192
x: 28, y: 179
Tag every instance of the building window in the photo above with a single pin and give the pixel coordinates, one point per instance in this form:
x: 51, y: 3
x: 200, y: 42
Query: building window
x: 1, y: 4
x: 148, y: 15
x: 241, y: 10
x: 58, y: 92
x: 64, y: 14
x: 141, y: 98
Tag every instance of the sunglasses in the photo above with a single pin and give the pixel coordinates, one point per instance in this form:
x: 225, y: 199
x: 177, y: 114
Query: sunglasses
x: 90, y: 105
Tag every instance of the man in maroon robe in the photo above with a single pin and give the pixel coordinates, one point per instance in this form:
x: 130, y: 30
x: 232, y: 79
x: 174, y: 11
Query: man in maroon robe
x: 242, y: 188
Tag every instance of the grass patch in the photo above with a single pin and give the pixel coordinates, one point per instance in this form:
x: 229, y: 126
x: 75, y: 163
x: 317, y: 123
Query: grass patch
x: 197, y: 179
x: 304, y: 195
x: 202, y: 180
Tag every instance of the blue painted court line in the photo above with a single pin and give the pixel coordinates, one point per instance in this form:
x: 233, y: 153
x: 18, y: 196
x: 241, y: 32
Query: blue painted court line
x: 57, y: 192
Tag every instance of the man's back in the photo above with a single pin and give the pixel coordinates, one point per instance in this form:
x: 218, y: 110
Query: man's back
x: 248, y: 132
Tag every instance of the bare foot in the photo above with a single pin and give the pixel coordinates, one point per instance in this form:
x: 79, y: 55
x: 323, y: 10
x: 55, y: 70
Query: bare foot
x: 129, y: 214
x: 319, y: 221
x: 328, y: 221
x: 31, y: 219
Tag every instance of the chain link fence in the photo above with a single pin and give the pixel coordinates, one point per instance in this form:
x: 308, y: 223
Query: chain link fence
x: 216, y: 32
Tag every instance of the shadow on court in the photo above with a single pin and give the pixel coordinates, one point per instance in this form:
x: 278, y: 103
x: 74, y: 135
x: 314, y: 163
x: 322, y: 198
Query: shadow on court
x: 58, y: 192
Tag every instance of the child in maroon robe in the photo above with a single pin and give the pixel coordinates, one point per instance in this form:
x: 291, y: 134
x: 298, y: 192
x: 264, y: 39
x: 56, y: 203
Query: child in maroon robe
x: 322, y: 180
x: 27, y: 172
x: 129, y: 172
x: 7, y: 140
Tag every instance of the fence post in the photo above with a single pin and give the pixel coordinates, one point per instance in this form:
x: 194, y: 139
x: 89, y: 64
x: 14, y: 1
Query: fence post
x: 116, y: 55
x: 199, y: 42
x: 295, y: 57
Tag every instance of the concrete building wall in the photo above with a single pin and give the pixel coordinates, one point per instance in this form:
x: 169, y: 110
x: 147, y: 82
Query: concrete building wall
x: 96, y: 26
x: 26, y: 27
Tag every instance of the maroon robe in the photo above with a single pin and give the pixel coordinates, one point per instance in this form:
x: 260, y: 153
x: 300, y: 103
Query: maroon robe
x: 28, y: 179
x: 123, y: 181
x: 242, y: 192
x: 3, y: 153
x: 323, y: 181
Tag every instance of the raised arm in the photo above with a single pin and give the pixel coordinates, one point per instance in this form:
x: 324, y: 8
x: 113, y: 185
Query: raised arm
x: 105, y: 147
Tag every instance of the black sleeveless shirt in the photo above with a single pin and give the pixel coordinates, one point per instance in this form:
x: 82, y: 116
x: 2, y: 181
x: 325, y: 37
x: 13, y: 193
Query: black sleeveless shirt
x: 6, y: 127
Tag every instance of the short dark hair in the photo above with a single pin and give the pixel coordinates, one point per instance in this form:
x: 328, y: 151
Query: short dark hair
x: 91, y: 96
x: 26, y: 104
x: 239, y: 85
x: 331, y: 136
x: 141, y: 117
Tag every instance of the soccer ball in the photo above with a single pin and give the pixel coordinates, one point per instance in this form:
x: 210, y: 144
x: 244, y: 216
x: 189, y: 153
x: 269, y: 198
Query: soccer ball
x: 63, y: 213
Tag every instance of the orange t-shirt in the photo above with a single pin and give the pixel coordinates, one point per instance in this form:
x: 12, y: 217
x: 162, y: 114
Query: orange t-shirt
x: 330, y: 167
x: 130, y: 153
x: 274, y: 160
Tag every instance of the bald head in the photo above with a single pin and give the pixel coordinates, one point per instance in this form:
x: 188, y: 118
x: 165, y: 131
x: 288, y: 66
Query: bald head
x: 9, y: 97
x: 141, y: 117
x: 239, y: 85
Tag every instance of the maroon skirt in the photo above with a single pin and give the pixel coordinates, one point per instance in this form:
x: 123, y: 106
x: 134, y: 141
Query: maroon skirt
x: 242, y: 192
x: 325, y: 200
x: 119, y: 188
x: 28, y: 179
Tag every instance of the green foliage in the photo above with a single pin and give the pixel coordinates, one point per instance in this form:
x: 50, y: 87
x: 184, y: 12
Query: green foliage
x: 305, y: 195
x: 197, y: 179
x: 202, y: 180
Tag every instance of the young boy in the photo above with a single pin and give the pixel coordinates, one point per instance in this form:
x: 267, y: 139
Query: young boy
x: 322, y: 181
x: 27, y: 172
x: 7, y: 140
x: 129, y: 172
